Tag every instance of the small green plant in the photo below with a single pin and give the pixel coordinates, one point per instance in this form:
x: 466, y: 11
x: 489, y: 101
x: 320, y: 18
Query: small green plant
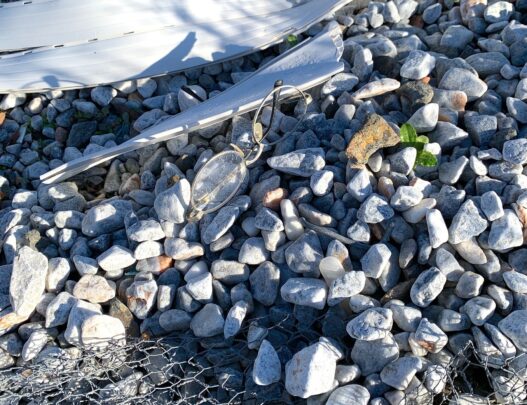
x: 410, y: 138
x: 292, y: 40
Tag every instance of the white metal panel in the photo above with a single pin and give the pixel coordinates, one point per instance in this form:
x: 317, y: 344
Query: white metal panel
x: 304, y: 66
x: 154, y: 53
x: 60, y: 22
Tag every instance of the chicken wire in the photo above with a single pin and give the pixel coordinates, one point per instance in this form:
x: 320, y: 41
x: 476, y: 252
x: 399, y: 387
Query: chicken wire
x: 182, y: 369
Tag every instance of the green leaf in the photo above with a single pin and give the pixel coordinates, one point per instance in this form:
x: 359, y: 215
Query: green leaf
x: 426, y: 159
x: 423, y: 139
x: 408, y: 134
x: 292, y: 40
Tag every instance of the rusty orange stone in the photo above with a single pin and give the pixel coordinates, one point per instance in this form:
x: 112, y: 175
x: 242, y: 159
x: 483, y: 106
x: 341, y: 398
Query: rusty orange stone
x: 9, y: 321
x: 165, y: 262
x: 375, y: 134
x: 2, y: 117
x: 272, y: 198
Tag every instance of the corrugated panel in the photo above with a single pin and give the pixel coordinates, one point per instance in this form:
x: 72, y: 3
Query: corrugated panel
x: 305, y: 66
x: 156, y: 52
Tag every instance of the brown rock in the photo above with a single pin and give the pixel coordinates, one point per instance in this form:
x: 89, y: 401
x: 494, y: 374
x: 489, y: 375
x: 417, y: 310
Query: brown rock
x: 95, y: 289
x: 61, y: 134
x: 375, y: 134
x: 120, y: 311
x: 272, y: 198
x: 9, y: 321
x: 2, y: 117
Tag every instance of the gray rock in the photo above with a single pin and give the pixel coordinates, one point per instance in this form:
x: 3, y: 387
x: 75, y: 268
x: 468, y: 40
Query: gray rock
x: 403, y: 161
x: 491, y: 205
x: 200, y: 287
x: 310, y: 292
x: 447, y: 135
x: 321, y: 182
x: 85, y: 265
x: 406, y: 197
x: 456, y: 37
x: 506, y: 232
x: 464, y: 80
x: 515, y: 151
x: 115, y: 258
x: 427, y: 287
x: 514, y: 326
x: 345, y: 374
x: 498, y: 11
x: 429, y: 336
x: 517, y: 109
x: 267, y: 366
x: 437, y: 229
x: 304, y: 254
x: 375, y: 209
x: 268, y: 220
x: 469, y: 285
x: 376, y: 260
x: 28, y: 280
x: 418, y: 64
x: 221, y: 223
x: 399, y: 373
x: 487, y: 63
x: 302, y: 162
x: 425, y: 118
x: 372, y: 324
x: 265, y: 281
x: 141, y: 297
x: 351, y: 283
x: 234, y: 319
x: 311, y: 371
x: 452, y: 321
x: 208, y: 321
x: 80, y: 311
x: 59, y: 269
x: 253, y: 252
x: 517, y: 282
x: 180, y: 249
x: 105, y: 217
x: 467, y: 223
x: 58, y: 309
x: 479, y: 309
x: 405, y: 317
x: 349, y: 394
x: 360, y: 186
x: 371, y: 356
x: 175, y: 320
x: 340, y: 83
x: 172, y: 204
x: 101, y: 331
x: 432, y: 13
x: 450, y: 172
x: 146, y: 230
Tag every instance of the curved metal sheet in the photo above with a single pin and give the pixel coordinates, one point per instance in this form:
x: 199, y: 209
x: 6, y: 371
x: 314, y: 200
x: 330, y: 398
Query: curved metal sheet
x: 305, y: 66
x: 31, y: 24
x: 134, y: 56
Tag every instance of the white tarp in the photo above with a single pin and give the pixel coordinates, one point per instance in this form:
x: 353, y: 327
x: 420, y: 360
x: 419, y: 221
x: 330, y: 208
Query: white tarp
x: 156, y: 52
x: 305, y: 66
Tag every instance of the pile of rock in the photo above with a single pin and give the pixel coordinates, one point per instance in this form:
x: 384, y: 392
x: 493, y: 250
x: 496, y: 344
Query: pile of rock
x: 425, y: 259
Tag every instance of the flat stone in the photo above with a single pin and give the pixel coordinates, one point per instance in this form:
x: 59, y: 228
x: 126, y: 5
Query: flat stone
x: 234, y: 319
x: 360, y: 186
x: 514, y: 326
x: 376, y: 88
x: 95, y: 289
x: 491, y: 205
x: 310, y: 292
x: 515, y: 151
x: 425, y: 118
x: 200, y: 287
x: 340, y: 83
x: 100, y: 331
x: 267, y: 367
x: 375, y: 134
x: 302, y: 162
x: 372, y: 324
x: 268, y: 220
x: 487, y: 63
x: 208, y: 321
x: 145, y: 230
x: 406, y: 197
x: 467, y: 223
x: 427, y: 287
x: 253, y: 252
x: 28, y: 280
x: 221, y: 223
x: 180, y: 249
x: 311, y: 371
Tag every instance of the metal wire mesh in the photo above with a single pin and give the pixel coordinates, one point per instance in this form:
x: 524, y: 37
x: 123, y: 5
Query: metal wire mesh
x: 183, y: 369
